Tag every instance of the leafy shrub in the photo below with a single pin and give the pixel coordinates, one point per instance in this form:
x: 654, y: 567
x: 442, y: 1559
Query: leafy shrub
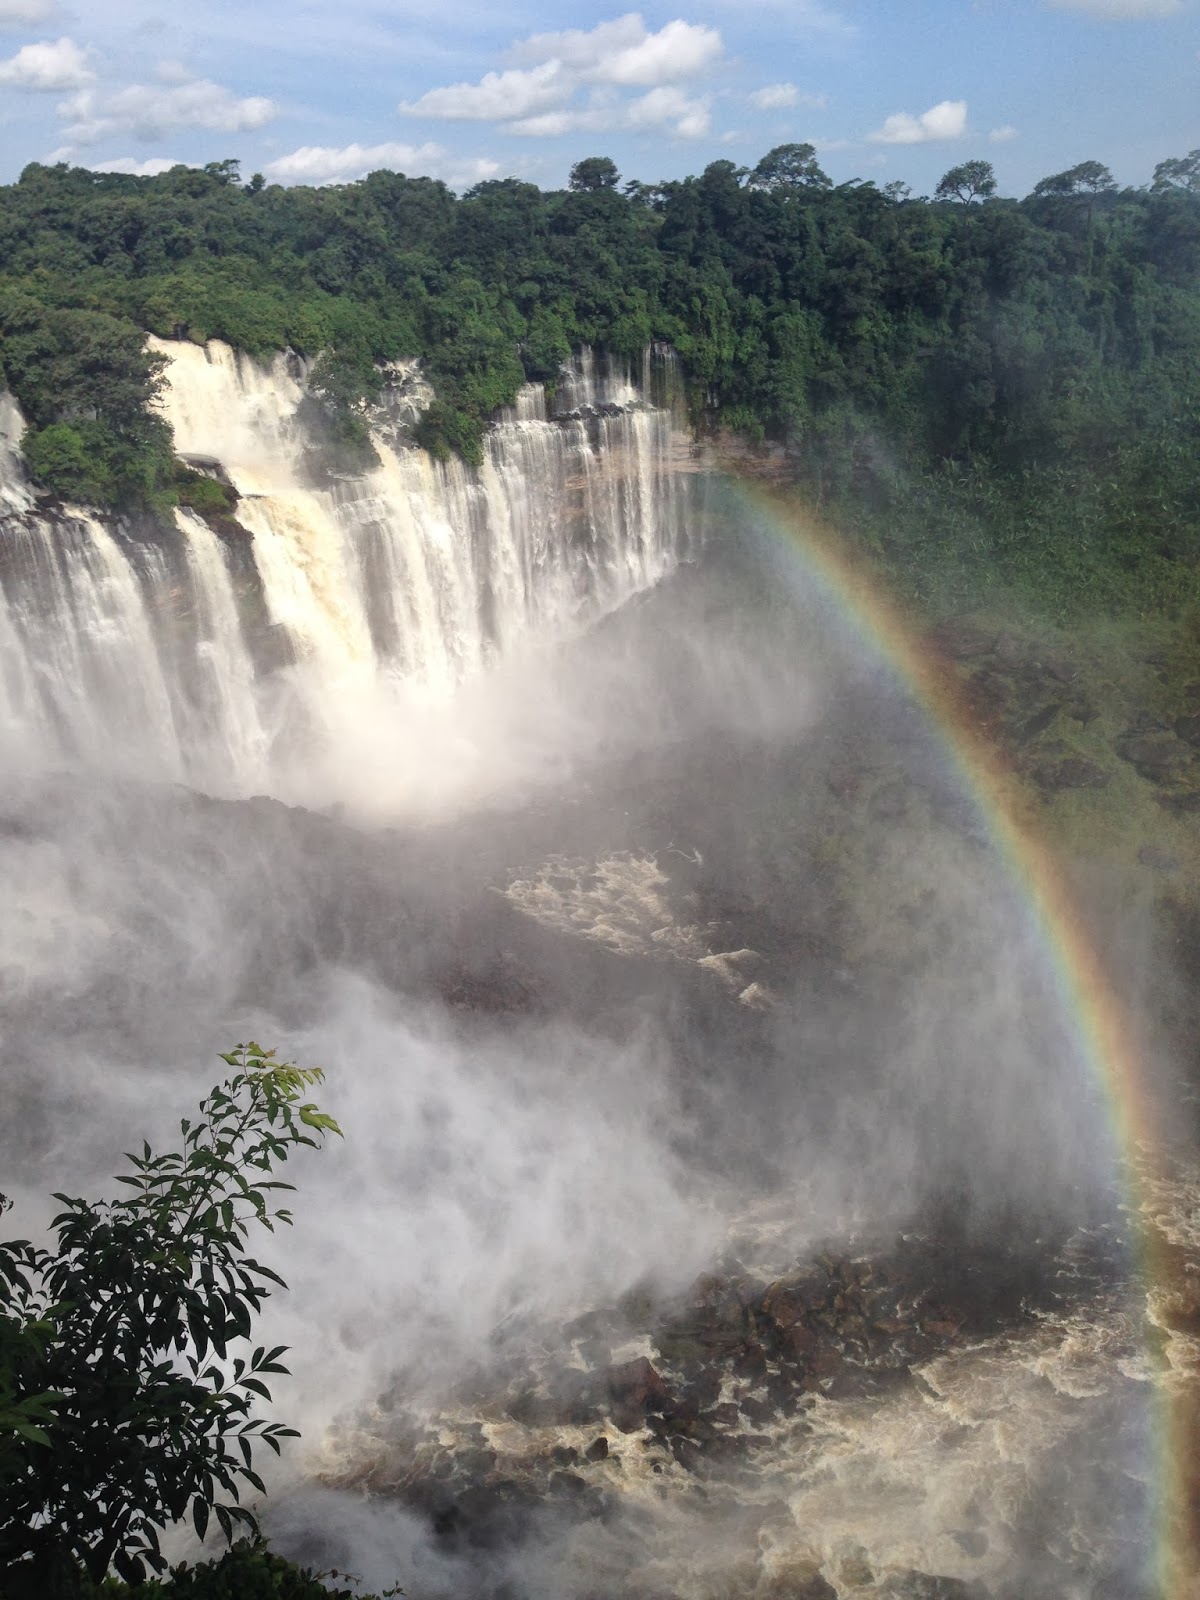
x: 122, y: 1406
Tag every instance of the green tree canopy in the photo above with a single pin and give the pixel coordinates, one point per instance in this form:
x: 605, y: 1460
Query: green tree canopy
x: 1179, y: 172
x: 1089, y: 177
x: 972, y: 180
x: 594, y: 172
x: 789, y: 167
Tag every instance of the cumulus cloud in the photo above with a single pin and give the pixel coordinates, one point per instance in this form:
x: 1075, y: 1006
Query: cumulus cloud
x: 667, y: 109
x: 1003, y: 135
x: 497, y: 97
x: 1121, y: 10
x: 172, y: 72
x: 778, y: 96
x: 48, y: 66
x: 670, y: 107
x: 332, y: 164
x: 145, y: 112
x: 556, y: 83
x: 625, y: 52
x: 130, y: 165
x: 946, y: 120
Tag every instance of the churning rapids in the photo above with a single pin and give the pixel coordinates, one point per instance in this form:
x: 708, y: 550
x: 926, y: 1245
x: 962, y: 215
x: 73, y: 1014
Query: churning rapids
x: 726, y: 1206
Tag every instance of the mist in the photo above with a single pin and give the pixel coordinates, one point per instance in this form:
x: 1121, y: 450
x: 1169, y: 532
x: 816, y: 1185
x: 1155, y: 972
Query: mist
x: 656, y: 939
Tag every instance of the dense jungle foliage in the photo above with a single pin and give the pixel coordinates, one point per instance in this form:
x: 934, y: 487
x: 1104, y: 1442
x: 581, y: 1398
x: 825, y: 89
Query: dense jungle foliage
x: 985, y: 390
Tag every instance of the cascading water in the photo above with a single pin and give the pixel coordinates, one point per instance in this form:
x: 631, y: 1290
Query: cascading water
x: 395, y: 585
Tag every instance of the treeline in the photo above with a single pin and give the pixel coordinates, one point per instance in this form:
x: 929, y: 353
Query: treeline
x: 969, y: 381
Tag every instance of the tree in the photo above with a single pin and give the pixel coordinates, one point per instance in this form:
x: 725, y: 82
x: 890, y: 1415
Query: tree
x: 789, y: 167
x: 594, y: 172
x: 1089, y: 177
x: 122, y: 1408
x: 973, y: 180
x: 1087, y: 180
x: 1178, y: 172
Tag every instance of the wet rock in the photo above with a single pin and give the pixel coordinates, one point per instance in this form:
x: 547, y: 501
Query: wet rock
x: 1182, y: 805
x: 573, y: 1399
x: 564, y: 1455
x: 794, y: 1299
x: 751, y: 1362
x: 703, y: 1386
x: 634, y: 1389
x: 924, y: 1586
x: 1075, y: 772
x: 971, y: 1542
x: 1060, y: 668
x: 715, y: 1319
x: 760, y: 1412
x: 1038, y: 723
x: 1156, y: 757
x: 855, y: 1570
x: 726, y: 1415
x: 800, y: 1341
x: 568, y: 1484
x: 1082, y: 708
x: 687, y: 1452
x: 486, y: 1515
x: 814, y: 1588
x: 964, y: 640
x: 597, y: 1450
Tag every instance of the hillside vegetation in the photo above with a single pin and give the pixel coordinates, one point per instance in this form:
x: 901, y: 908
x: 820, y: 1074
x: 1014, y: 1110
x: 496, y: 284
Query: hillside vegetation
x: 988, y: 392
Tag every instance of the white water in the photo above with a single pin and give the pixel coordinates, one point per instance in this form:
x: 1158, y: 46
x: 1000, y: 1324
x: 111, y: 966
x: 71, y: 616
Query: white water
x: 380, y: 595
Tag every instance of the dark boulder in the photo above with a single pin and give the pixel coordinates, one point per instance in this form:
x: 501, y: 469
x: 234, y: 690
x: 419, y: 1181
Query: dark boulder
x: 635, y: 1388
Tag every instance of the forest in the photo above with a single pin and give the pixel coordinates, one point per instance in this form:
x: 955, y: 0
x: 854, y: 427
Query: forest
x: 981, y: 391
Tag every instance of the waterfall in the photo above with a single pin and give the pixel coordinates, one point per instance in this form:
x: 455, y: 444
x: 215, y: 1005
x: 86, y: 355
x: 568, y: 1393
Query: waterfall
x: 173, y: 651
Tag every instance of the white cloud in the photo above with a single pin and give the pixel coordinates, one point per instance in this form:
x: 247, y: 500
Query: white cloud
x: 135, y: 168
x: 572, y: 81
x: 946, y: 120
x: 497, y: 97
x: 329, y: 164
x: 1003, y: 135
x: 625, y: 52
x: 172, y: 72
x: 47, y: 67
x: 1122, y: 10
x: 25, y: 13
x: 143, y: 112
x: 667, y: 109
x: 670, y: 107
x: 778, y: 96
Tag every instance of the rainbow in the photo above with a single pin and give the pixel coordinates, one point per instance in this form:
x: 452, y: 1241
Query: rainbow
x: 1104, y: 1031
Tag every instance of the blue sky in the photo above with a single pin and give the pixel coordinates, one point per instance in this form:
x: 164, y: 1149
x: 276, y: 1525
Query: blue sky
x: 314, y: 91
